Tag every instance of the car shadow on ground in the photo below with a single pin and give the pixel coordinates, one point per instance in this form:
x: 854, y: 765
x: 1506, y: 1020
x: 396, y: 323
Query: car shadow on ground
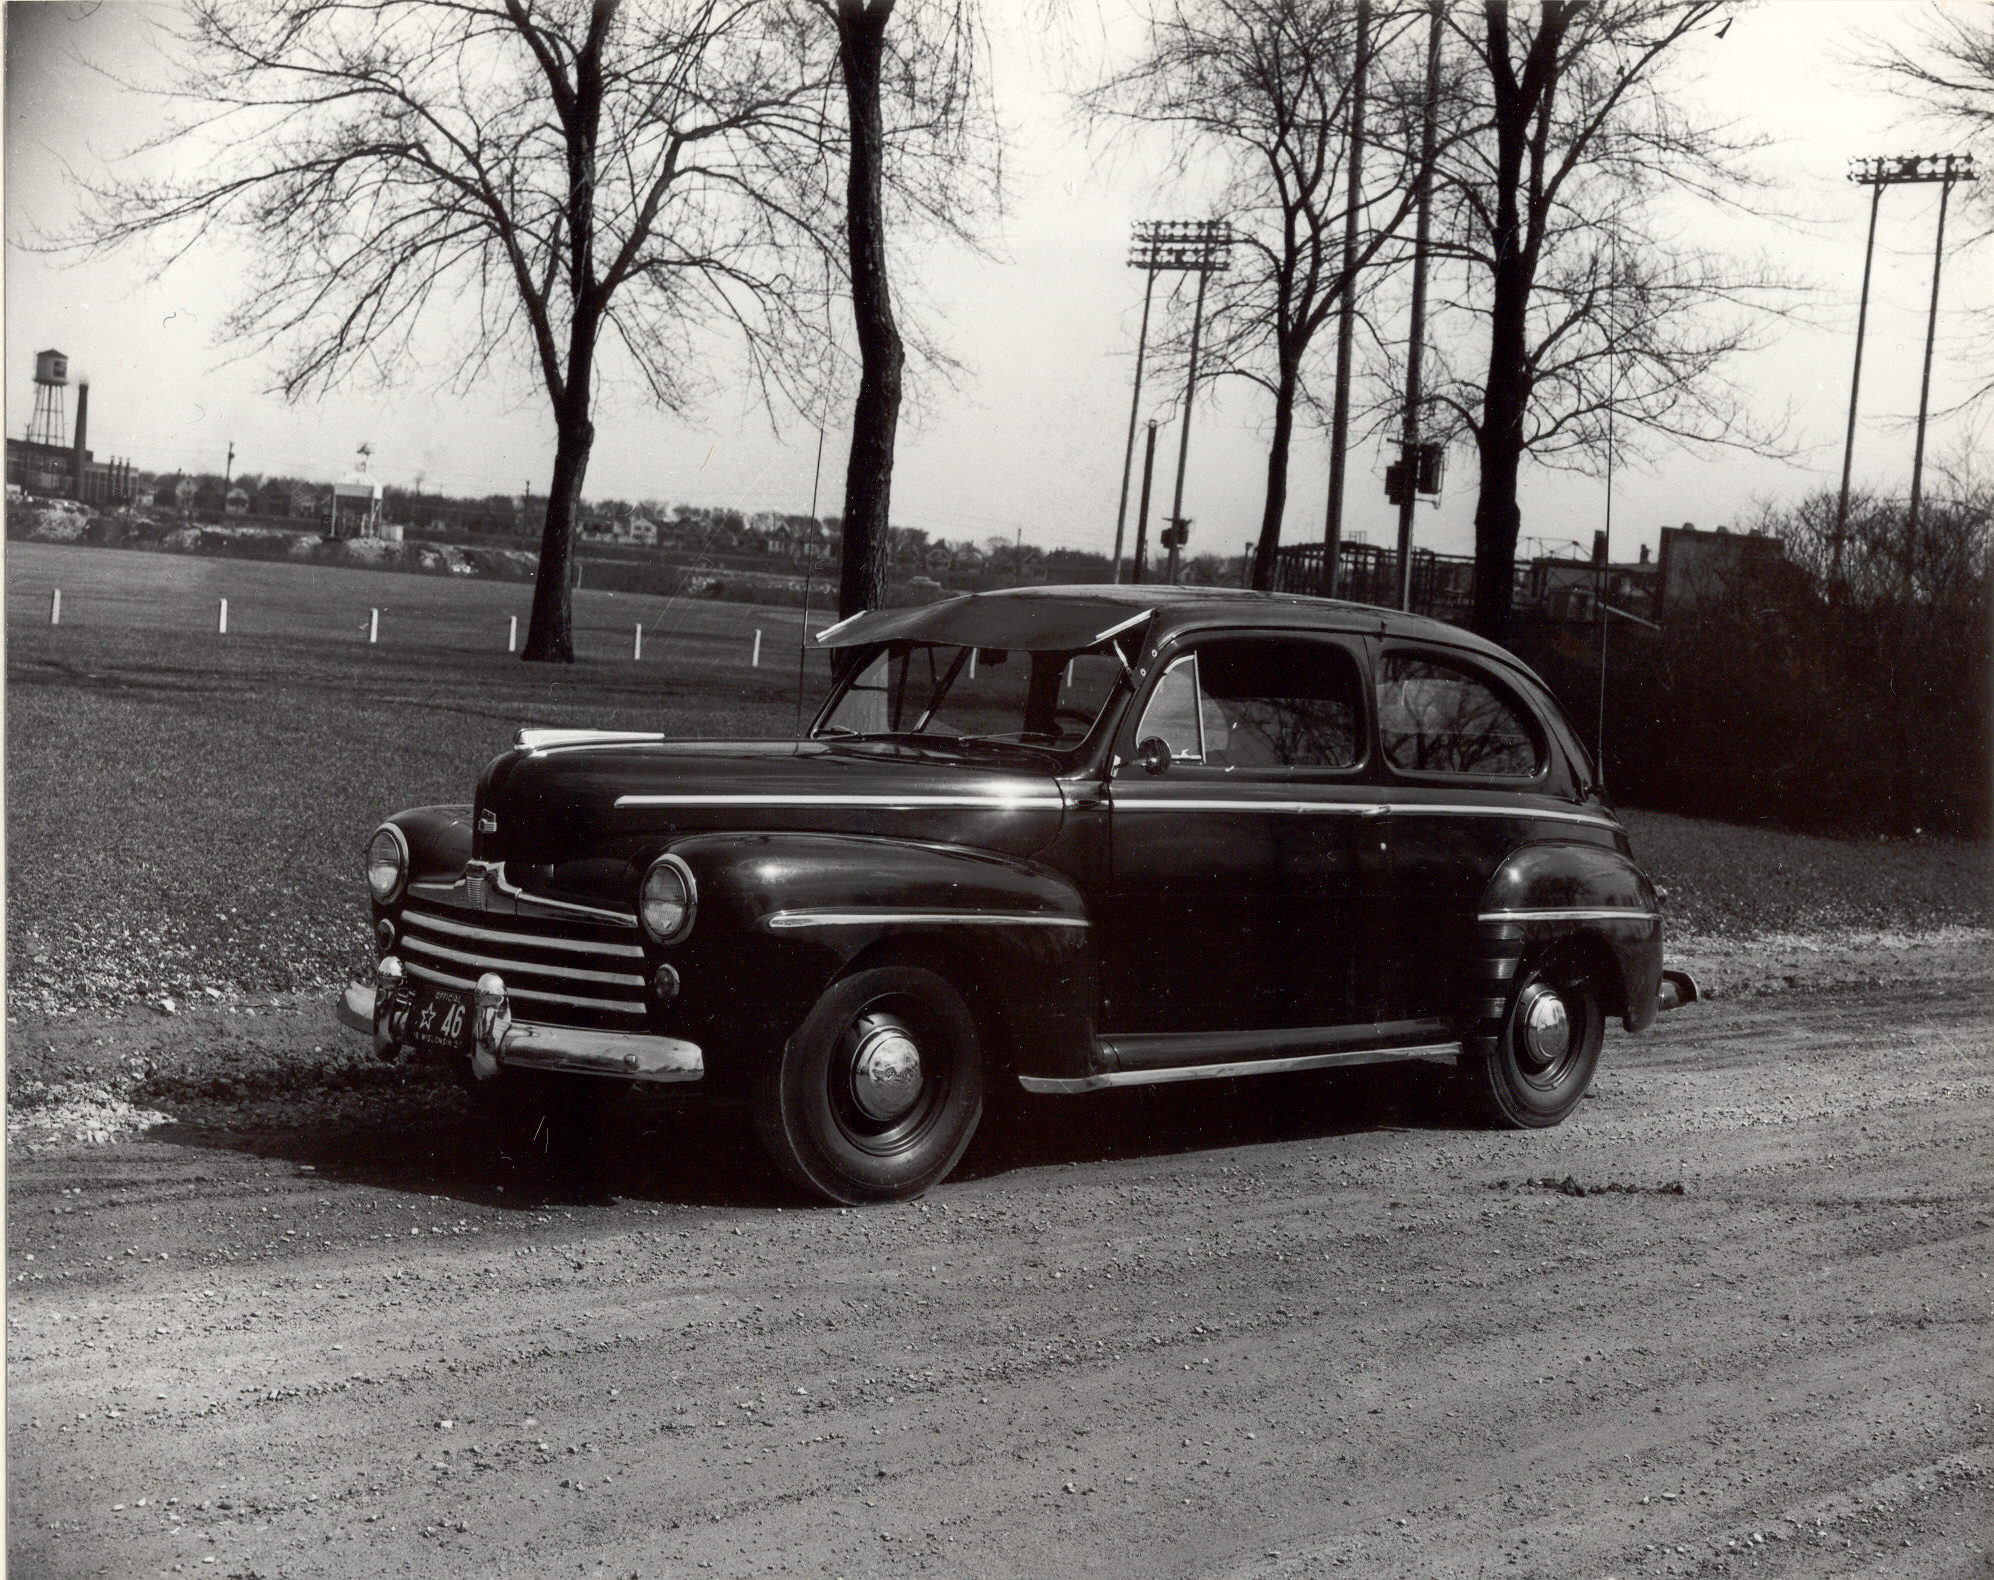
x: 431, y: 1140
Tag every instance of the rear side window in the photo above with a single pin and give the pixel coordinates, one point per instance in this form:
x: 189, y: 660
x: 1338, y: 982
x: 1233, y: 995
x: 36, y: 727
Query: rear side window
x: 1438, y: 717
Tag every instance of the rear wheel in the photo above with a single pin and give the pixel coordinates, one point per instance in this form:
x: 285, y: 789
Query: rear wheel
x: 1549, y: 1047
x: 878, y: 1093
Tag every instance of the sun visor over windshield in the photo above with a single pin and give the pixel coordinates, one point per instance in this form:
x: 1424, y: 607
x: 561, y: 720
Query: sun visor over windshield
x: 1034, y: 621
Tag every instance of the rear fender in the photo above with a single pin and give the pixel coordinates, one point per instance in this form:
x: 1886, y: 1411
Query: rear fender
x: 1573, y: 896
x: 782, y: 916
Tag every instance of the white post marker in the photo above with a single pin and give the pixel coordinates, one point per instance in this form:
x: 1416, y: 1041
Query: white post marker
x: 373, y: 626
x: 221, y: 625
x: 55, y: 607
x: 755, y: 658
x: 972, y: 663
x: 511, y: 632
x: 637, y: 642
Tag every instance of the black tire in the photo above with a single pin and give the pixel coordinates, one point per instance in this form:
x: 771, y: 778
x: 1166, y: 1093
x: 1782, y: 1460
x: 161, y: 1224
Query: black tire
x: 1549, y: 1047
x: 840, y: 1113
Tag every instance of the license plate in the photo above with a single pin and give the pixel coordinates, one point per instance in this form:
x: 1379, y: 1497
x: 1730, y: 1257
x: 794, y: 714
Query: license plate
x: 440, y: 1018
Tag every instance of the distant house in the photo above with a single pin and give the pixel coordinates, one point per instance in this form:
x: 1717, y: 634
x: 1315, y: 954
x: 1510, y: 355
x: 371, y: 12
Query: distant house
x: 236, y: 501
x: 640, y: 530
x: 210, y: 499
x: 274, y: 498
x: 939, y: 560
x: 355, y: 508
x: 1698, y: 568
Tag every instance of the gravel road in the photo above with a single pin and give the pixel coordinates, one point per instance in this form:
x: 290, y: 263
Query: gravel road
x: 1731, y: 1318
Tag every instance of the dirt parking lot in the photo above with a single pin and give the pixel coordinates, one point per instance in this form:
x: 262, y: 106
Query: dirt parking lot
x: 1732, y: 1318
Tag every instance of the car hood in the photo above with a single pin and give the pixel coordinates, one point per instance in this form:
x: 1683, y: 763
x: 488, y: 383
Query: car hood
x: 619, y: 795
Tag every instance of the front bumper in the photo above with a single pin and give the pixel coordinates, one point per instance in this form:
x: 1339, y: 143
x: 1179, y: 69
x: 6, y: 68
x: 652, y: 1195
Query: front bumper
x: 1678, y: 988
x: 527, y: 1045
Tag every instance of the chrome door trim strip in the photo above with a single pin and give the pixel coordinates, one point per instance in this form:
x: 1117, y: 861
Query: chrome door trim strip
x: 488, y: 963
x: 859, y: 916
x: 618, y: 1006
x: 1351, y: 808
x: 1164, y: 804
x: 519, y: 940
x: 987, y: 803
x: 1058, y: 1085
x: 1574, y: 913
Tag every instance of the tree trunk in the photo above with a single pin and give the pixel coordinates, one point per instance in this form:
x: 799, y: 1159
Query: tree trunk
x: 1506, y: 394
x: 550, y: 632
x: 876, y: 416
x: 1277, y: 473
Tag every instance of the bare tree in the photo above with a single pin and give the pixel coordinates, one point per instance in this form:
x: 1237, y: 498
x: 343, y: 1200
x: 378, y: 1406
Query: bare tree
x: 917, y: 123
x: 1260, y: 90
x: 1595, y: 317
x: 530, y: 176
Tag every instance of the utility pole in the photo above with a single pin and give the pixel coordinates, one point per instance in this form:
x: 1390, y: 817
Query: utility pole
x: 1346, y: 312
x: 1855, y: 379
x: 1409, y: 444
x: 1135, y: 400
x: 228, y: 470
x: 1139, y: 570
x: 1203, y: 248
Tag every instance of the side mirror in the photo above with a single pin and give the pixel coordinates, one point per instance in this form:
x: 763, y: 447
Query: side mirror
x: 1153, y: 752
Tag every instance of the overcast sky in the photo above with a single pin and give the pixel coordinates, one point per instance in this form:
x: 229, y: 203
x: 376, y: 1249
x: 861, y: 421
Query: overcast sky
x: 1029, y: 440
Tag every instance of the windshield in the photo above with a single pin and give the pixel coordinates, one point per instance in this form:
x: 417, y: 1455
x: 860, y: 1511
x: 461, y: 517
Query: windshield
x: 944, y: 694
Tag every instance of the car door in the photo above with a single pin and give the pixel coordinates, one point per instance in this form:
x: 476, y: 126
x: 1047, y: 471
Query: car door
x: 1467, y: 767
x: 1237, y: 871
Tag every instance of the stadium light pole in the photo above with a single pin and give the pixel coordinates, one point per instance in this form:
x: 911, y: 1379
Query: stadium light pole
x: 1203, y: 248
x: 1876, y: 174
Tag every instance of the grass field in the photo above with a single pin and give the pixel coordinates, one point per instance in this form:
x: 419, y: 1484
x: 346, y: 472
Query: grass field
x: 185, y: 811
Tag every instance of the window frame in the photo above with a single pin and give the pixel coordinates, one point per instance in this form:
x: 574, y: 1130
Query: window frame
x: 1186, y: 645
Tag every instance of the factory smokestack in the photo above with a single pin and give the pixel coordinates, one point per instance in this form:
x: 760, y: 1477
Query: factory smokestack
x: 79, y: 455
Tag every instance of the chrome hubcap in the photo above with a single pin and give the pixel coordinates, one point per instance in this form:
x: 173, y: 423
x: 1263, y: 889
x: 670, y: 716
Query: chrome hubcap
x: 1546, y: 1027
x: 886, y: 1070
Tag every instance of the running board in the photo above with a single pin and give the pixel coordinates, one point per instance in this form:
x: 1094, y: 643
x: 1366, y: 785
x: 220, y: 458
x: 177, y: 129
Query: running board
x: 1049, y: 1084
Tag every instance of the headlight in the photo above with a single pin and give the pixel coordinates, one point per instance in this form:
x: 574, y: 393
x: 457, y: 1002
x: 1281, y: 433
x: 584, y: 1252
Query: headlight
x: 387, y: 864
x: 666, y: 898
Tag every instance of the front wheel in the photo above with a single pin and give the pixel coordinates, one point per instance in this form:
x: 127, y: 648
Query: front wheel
x: 1549, y: 1047
x: 878, y: 1093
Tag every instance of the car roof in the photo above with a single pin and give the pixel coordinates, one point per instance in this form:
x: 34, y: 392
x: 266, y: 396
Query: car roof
x: 1073, y: 618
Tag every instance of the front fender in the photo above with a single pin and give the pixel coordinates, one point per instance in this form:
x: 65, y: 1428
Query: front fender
x: 783, y: 915
x: 1563, y: 892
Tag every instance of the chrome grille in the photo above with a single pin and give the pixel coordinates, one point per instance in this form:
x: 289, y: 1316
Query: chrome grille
x: 553, y: 970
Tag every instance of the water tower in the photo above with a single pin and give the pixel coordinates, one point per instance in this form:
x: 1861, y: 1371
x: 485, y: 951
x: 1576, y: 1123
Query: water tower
x: 50, y: 424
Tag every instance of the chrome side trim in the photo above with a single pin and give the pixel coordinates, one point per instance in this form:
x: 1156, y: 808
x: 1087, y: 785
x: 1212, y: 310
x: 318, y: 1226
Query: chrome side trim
x: 831, y: 630
x: 778, y: 921
x: 1058, y: 1085
x: 541, y: 740
x: 1162, y: 804
x: 1172, y: 1049
x: 987, y: 803
x: 1352, y: 808
x: 446, y: 979
x: 523, y: 940
x: 1551, y: 814
x: 486, y: 963
x: 1574, y: 913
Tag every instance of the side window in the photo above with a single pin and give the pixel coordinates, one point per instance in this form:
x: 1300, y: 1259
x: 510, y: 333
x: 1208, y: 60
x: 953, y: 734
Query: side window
x: 1260, y: 702
x: 1435, y: 716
